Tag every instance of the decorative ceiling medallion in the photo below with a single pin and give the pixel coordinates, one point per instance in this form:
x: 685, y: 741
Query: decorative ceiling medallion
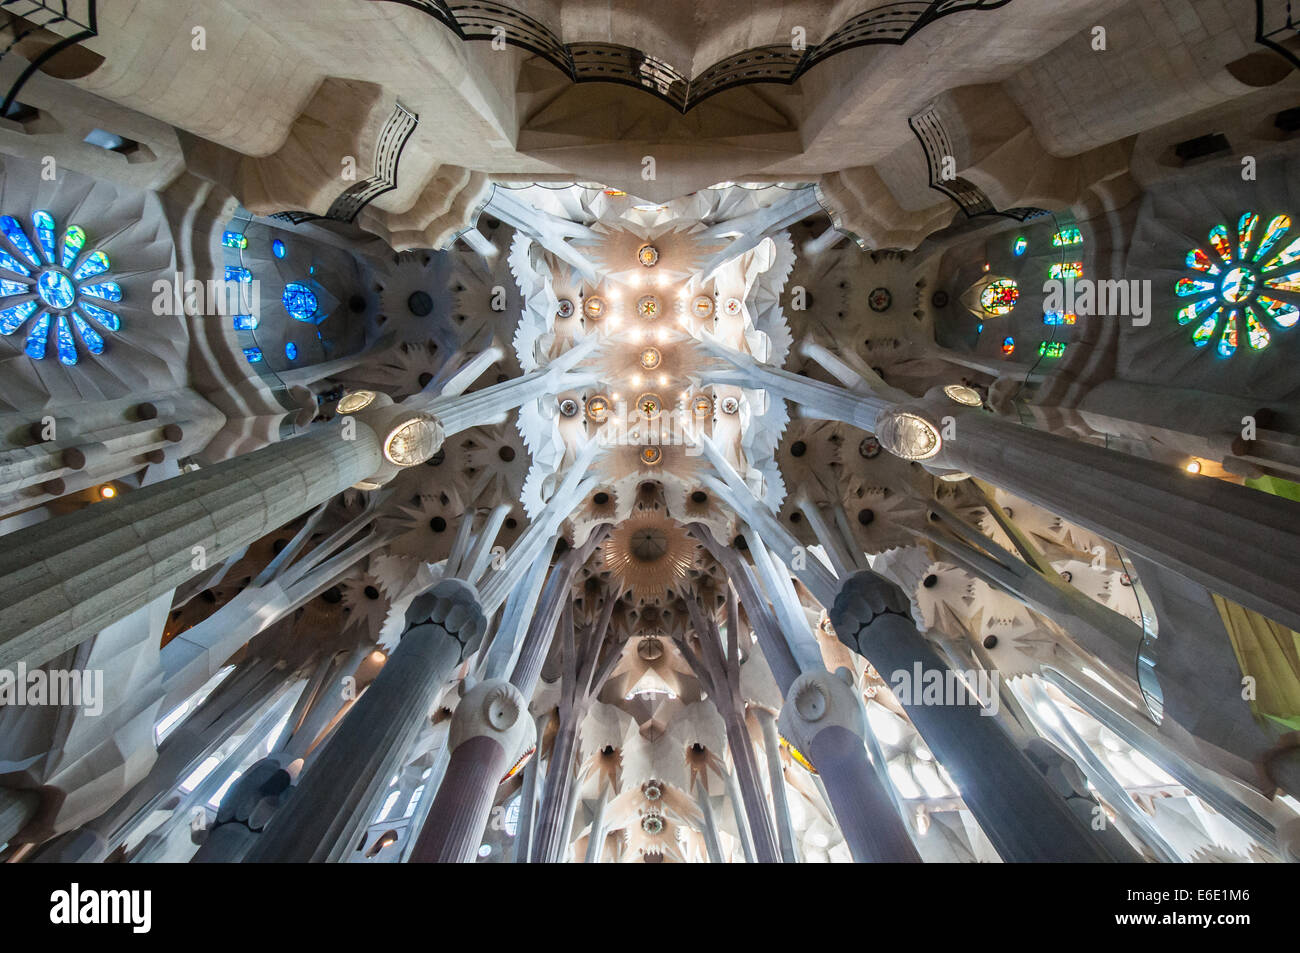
x: 869, y: 448
x: 732, y: 307
x: 648, y: 255
x: 651, y: 358
x: 568, y: 407
x: 702, y: 306
x: 594, y: 307
x: 702, y: 406
x: 648, y: 553
x: 565, y: 309
x: 650, y: 407
x: 880, y: 299
x: 647, y: 306
x: 651, y: 456
x: 730, y: 405
x: 598, y: 408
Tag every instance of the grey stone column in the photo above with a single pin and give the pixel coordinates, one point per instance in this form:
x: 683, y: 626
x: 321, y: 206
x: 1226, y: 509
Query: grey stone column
x: 528, y: 800
x: 712, y: 842
x: 596, y: 839
x: 67, y: 578
x: 490, y: 731
x: 318, y: 821
x: 1022, y: 816
x: 1233, y: 540
x: 776, y: 775
x: 824, y: 719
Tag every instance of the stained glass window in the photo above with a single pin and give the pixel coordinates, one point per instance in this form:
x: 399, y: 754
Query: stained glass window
x: 1008, y: 346
x: 234, y: 240
x: 291, y: 351
x: 1067, y: 236
x: 1069, y: 269
x: 278, y: 248
x: 1234, y: 292
x: 1051, y: 349
x: 1000, y: 296
x: 300, y: 301
x: 1020, y: 245
x: 245, y: 322
x: 254, y: 354
x: 235, y: 273
x: 1058, y: 317
x: 57, y: 299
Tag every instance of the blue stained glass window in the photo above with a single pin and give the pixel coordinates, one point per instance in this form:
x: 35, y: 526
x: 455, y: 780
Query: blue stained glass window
x: 291, y: 351
x: 74, y: 240
x: 254, y: 354
x: 300, y: 301
x: 278, y: 248
x: 37, y: 336
x: 1020, y: 245
x: 11, y: 319
x: 14, y: 232
x: 8, y: 288
x: 235, y: 273
x: 44, y: 223
x: 67, y: 347
x: 234, y: 240
x: 96, y: 263
x: 107, y: 290
x: 13, y: 264
x: 91, y: 337
x: 56, y: 290
x: 245, y: 322
x: 107, y: 318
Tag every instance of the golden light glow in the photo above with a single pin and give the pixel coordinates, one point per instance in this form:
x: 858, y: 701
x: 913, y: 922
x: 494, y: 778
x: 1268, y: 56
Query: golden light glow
x: 1194, y: 466
x: 650, y: 407
x: 647, y: 306
x: 651, y: 358
x: 702, y: 406
x: 594, y: 307
x: 648, y: 255
x: 523, y: 760
x: 378, y: 656
x: 598, y: 408
x: 702, y: 306
x: 651, y: 455
x: 108, y: 491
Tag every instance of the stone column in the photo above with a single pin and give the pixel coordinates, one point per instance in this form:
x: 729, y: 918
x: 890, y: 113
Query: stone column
x: 490, y: 732
x: 67, y: 578
x: 711, y: 841
x: 596, y: 839
x: 824, y: 719
x: 776, y: 776
x: 1015, y: 806
x: 318, y: 821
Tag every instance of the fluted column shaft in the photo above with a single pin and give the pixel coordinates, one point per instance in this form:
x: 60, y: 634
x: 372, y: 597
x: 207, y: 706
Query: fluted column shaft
x: 460, y: 812
x: 362, y: 753
x: 548, y: 843
x: 65, y: 579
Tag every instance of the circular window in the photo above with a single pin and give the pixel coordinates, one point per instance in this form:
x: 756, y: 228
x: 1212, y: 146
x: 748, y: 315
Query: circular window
x: 300, y: 301
x: 56, y: 290
x: 278, y: 248
x: 880, y: 299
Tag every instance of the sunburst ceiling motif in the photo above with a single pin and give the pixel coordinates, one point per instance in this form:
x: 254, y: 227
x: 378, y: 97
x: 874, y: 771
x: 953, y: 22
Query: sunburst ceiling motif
x: 649, y: 554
